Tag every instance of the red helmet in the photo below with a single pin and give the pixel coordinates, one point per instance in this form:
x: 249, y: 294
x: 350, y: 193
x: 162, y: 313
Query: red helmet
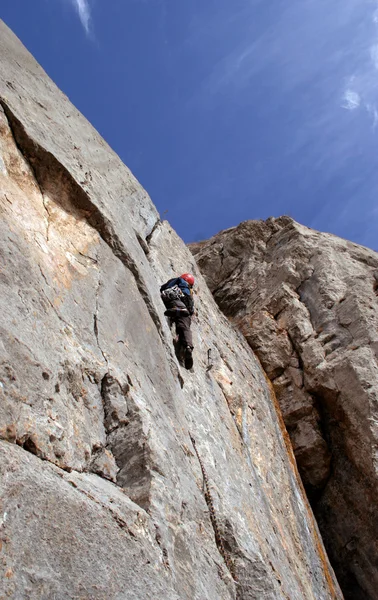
x: 188, y: 278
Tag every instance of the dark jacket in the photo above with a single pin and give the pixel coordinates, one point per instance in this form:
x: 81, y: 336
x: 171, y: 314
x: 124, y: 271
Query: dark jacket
x: 187, y: 298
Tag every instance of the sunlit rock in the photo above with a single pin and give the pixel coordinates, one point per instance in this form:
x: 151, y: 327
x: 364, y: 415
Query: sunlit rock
x: 122, y: 475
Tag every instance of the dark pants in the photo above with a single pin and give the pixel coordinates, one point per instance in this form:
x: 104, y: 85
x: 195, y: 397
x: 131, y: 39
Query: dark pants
x: 183, y: 324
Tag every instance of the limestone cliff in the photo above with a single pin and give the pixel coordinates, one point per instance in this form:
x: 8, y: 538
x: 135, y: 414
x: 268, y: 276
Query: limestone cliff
x: 122, y: 475
x: 307, y: 305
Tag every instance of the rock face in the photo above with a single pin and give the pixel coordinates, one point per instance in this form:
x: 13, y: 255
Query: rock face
x: 122, y: 475
x: 307, y: 304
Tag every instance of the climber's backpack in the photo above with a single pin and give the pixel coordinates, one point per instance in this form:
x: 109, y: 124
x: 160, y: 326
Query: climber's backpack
x: 171, y: 294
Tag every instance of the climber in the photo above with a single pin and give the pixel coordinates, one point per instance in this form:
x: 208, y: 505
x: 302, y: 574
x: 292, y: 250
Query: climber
x: 177, y: 297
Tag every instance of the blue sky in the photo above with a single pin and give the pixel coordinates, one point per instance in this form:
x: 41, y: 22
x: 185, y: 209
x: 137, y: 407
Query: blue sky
x: 226, y: 111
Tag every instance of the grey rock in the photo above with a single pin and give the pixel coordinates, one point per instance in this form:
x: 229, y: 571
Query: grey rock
x: 104, y: 464
x: 101, y: 489
x: 306, y: 303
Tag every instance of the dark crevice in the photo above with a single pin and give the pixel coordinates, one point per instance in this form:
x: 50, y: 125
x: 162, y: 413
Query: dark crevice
x: 114, y: 400
x: 45, y: 205
x: 222, y: 255
x: 164, y: 551
x: 213, y: 517
x: 143, y: 244
x: 96, y: 321
x: 278, y: 372
x: 30, y: 445
x: 324, y: 422
x: 92, y: 260
x: 127, y: 440
x: 298, y: 288
x: 296, y: 351
x: 279, y: 312
x: 343, y: 559
x: 149, y: 236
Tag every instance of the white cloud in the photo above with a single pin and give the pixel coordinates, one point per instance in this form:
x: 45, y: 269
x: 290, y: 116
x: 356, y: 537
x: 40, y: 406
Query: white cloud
x: 83, y: 9
x: 351, y: 100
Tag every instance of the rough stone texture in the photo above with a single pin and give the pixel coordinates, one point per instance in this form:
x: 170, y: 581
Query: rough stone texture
x: 101, y: 490
x: 307, y: 304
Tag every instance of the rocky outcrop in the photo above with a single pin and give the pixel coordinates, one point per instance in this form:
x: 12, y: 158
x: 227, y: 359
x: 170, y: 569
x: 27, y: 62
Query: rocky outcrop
x: 307, y: 304
x: 123, y: 475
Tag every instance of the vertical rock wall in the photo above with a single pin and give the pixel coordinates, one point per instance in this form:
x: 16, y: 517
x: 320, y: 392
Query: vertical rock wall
x: 123, y: 476
x: 307, y: 304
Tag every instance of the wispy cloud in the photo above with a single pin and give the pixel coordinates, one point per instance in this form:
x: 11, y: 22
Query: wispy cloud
x: 373, y: 112
x: 339, y: 54
x: 351, y: 100
x: 313, y: 94
x: 83, y: 10
x: 374, y: 54
x: 361, y: 89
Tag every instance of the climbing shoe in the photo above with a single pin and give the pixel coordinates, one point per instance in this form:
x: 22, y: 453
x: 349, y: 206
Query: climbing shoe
x: 188, y: 358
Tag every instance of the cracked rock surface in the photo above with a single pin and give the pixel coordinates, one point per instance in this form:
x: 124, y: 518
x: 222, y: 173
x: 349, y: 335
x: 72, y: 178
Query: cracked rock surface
x: 105, y: 442
x: 307, y: 304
